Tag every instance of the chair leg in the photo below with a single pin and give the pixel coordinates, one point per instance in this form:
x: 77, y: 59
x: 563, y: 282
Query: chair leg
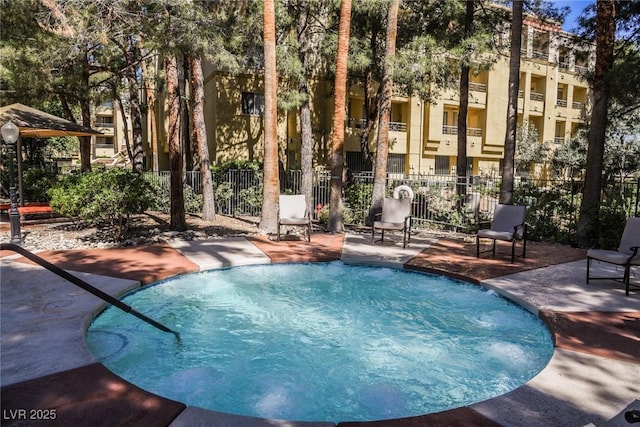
x: 477, y: 247
x: 373, y: 235
x: 493, y: 254
x: 513, y: 250
x: 627, y: 279
x: 588, y: 267
x: 309, y: 232
x: 278, y: 238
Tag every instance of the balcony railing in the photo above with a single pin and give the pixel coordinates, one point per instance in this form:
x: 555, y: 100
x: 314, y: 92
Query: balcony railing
x: 478, y: 87
x: 397, y: 126
x: 449, y: 130
x: 539, y: 55
x: 561, y: 103
x: 520, y: 94
x: 577, y: 105
x: 357, y: 123
x: 563, y: 65
x: 453, y: 130
x: 581, y: 69
x: 558, y: 139
x: 535, y: 96
x: 361, y: 123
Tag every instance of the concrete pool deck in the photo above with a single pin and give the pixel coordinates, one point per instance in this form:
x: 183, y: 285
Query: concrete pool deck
x: 48, y: 376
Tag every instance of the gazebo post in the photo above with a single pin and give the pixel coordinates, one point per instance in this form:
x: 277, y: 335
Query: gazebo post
x: 20, y: 178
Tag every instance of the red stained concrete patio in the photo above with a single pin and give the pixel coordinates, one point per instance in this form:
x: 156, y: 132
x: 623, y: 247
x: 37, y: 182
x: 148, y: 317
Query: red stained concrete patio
x: 594, y: 325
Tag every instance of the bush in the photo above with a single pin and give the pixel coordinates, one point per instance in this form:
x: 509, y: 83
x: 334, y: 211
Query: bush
x: 37, y: 182
x: 106, y: 199
x: 161, y: 199
x: 611, y: 222
x: 347, y: 215
x: 357, y: 200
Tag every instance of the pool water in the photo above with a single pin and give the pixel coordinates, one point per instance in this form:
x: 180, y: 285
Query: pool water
x: 322, y: 342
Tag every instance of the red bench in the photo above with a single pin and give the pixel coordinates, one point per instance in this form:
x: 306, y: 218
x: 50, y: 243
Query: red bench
x: 30, y: 209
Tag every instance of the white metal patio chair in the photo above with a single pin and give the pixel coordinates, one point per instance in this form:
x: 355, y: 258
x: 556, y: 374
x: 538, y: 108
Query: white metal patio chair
x: 395, y: 216
x: 293, y: 212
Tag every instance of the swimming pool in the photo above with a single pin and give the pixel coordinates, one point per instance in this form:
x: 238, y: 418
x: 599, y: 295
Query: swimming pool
x: 323, y: 342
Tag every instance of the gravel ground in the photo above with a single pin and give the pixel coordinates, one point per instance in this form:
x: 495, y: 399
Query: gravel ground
x: 152, y: 227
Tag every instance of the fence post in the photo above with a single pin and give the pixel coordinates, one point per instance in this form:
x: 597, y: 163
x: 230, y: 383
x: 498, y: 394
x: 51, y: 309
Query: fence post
x: 637, y: 195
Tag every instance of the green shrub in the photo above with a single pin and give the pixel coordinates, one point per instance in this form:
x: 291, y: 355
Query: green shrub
x: 347, y: 215
x: 106, y: 199
x: 65, y: 198
x: 161, y: 198
x: 357, y: 199
x: 611, y: 222
x: 36, y: 184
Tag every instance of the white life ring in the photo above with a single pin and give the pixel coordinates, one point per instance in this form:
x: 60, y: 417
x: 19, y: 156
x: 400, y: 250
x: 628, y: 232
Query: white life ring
x: 398, y: 189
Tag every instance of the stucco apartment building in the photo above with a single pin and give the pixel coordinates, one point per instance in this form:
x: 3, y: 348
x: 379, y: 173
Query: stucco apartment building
x: 423, y: 136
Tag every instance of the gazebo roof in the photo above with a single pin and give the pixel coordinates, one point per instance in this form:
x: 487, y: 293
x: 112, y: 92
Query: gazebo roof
x: 34, y: 123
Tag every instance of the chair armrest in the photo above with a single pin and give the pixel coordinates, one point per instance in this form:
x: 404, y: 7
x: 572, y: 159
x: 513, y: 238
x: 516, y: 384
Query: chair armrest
x: 520, y: 230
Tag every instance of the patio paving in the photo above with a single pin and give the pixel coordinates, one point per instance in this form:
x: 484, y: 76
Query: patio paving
x: 591, y: 379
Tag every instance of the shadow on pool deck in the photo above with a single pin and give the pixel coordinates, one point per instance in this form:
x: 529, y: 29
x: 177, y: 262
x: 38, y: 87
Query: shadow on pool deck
x: 458, y: 258
x: 91, y: 395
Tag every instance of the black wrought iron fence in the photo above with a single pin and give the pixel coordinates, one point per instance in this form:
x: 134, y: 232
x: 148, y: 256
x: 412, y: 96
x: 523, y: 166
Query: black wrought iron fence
x: 439, y: 200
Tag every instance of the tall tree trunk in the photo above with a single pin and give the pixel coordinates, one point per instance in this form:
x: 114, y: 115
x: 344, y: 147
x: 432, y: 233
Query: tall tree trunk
x: 336, y: 221
x: 306, y: 133
x: 461, y: 163
x: 590, y: 205
x: 370, y: 105
x: 271, y: 185
x: 382, y: 148
x: 185, y: 114
x: 125, y: 125
x: 506, y: 190
x: 85, y: 141
x: 177, y: 221
x: 200, y: 135
x: 151, y: 109
x: 135, y: 110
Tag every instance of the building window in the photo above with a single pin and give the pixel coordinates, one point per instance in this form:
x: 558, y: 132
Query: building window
x: 104, y: 121
x: 442, y: 165
x: 252, y: 103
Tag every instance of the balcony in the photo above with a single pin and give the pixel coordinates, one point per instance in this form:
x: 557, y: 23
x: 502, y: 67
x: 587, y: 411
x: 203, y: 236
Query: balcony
x: 536, y: 54
x: 558, y: 139
x: 561, y: 103
x: 535, y: 96
x: 362, y: 123
x: 478, y: 87
x: 397, y: 127
x: 357, y: 123
x: 564, y: 66
x: 577, y: 105
x: 453, y: 130
x: 580, y: 69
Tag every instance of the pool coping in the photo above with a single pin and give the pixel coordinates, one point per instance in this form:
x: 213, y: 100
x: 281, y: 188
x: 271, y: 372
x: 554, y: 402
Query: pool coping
x: 552, y: 397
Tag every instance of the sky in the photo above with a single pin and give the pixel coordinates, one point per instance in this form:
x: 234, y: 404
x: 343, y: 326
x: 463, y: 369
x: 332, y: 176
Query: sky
x: 576, y: 9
